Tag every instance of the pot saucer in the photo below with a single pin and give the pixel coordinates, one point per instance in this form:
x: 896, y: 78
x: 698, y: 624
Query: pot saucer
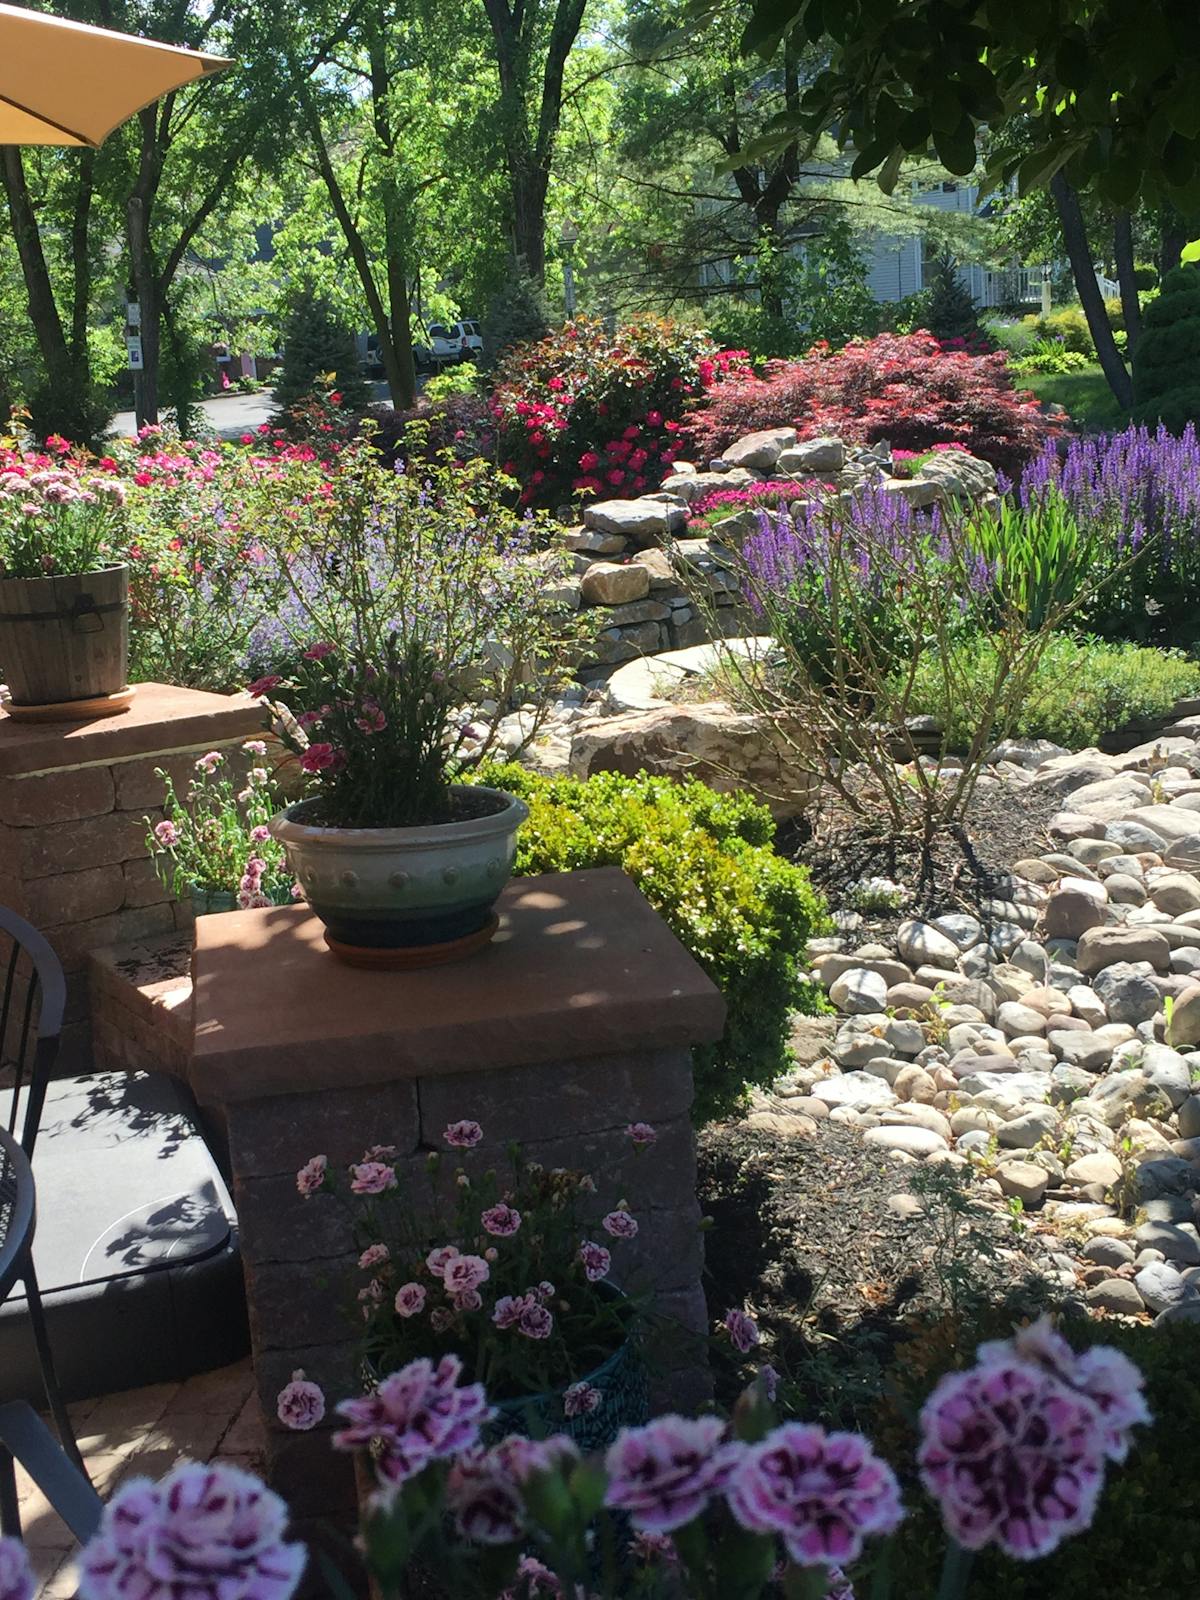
x: 415, y: 956
x: 101, y: 705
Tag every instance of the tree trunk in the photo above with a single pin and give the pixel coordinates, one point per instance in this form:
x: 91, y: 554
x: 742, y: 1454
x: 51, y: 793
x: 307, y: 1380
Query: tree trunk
x: 39, y: 292
x: 81, y: 262
x: 396, y: 350
x: 1175, y: 234
x: 1075, y: 237
x: 529, y: 220
x: 1131, y: 306
x: 529, y: 158
x: 145, y: 285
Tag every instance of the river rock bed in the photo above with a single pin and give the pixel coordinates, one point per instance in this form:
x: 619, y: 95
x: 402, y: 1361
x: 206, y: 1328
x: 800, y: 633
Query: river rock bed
x: 1047, y: 1040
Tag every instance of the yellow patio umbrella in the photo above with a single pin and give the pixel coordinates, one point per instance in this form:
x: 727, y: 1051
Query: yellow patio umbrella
x: 67, y: 83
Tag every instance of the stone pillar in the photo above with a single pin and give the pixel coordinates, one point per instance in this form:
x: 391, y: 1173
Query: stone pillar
x: 577, y: 1020
x: 74, y: 797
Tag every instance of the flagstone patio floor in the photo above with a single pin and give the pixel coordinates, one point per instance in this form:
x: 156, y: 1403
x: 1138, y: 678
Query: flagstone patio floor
x: 143, y: 1432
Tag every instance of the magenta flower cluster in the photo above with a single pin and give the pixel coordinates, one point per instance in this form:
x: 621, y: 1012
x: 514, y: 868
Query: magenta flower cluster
x: 210, y: 1533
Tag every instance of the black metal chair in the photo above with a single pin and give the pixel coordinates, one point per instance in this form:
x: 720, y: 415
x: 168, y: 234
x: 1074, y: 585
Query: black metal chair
x: 55, y: 1467
x: 35, y: 990
x: 137, y: 1254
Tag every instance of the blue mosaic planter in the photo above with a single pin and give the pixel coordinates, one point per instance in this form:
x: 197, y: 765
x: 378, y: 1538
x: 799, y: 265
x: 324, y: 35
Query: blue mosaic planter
x: 205, y: 902
x: 625, y: 1403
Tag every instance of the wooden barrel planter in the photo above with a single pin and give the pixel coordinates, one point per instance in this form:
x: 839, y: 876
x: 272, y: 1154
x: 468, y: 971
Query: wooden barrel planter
x: 65, y: 638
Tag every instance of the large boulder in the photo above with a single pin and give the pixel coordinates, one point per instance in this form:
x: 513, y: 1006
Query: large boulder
x: 724, y: 748
x: 960, y: 475
x: 760, y: 451
x: 607, y: 583
x: 812, y: 455
x: 691, y: 485
x: 643, y: 521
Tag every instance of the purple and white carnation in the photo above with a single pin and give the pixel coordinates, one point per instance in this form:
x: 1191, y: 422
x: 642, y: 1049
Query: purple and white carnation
x: 301, y: 1403
x: 501, y: 1221
x: 596, y: 1261
x: 581, y: 1399
x: 822, y: 1493
x: 1014, y: 1456
x: 665, y: 1474
x: 310, y: 1179
x: 620, y: 1224
x: 210, y: 1533
x: 463, y: 1135
x: 742, y: 1330
x: 417, y: 1415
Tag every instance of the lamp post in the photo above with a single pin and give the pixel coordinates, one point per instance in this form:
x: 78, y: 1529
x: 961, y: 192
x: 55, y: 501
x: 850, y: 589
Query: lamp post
x: 568, y: 237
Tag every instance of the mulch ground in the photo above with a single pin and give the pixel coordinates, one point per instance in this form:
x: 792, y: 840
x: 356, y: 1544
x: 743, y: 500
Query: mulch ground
x: 838, y: 1278
x: 962, y: 868
x: 819, y: 1235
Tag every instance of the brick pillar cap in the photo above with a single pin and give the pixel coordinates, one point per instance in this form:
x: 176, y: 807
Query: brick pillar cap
x: 162, y: 717
x: 581, y: 966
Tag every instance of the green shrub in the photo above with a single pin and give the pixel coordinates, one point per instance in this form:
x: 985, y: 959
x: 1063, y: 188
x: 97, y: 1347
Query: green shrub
x: 1047, y: 356
x: 1081, y: 689
x: 1145, y: 276
x: 706, y: 864
x: 1164, y: 374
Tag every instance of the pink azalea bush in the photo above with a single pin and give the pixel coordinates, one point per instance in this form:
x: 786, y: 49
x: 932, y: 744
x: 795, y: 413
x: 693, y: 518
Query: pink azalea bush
x: 512, y: 1285
x: 585, y: 412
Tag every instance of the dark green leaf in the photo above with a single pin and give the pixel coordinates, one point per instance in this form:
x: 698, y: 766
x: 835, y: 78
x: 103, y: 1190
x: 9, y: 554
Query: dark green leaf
x: 1072, y: 61
x: 956, y: 150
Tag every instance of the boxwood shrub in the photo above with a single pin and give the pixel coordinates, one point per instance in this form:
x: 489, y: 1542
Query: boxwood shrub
x: 706, y: 863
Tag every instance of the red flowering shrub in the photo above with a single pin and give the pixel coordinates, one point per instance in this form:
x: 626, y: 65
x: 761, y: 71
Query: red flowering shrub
x: 587, y: 412
x: 905, y: 388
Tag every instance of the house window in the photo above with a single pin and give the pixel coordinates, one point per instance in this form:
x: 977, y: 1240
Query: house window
x: 949, y: 188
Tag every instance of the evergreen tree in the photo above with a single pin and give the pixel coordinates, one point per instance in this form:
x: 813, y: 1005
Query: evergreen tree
x: 952, y: 312
x: 517, y: 314
x: 315, y: 343
x: 1166, y: 387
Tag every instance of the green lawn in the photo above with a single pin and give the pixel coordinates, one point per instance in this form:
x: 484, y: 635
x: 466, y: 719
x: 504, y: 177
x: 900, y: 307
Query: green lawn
x: 1085, y: 395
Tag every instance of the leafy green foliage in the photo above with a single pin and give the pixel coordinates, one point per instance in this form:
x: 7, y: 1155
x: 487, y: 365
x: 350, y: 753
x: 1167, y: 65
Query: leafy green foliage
x: 706, y: 864
x: 1081, y: 689
x: 316, y: 343
x: 1103, y: 88
x: 1048, y: 356
x: 1165, y: 385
